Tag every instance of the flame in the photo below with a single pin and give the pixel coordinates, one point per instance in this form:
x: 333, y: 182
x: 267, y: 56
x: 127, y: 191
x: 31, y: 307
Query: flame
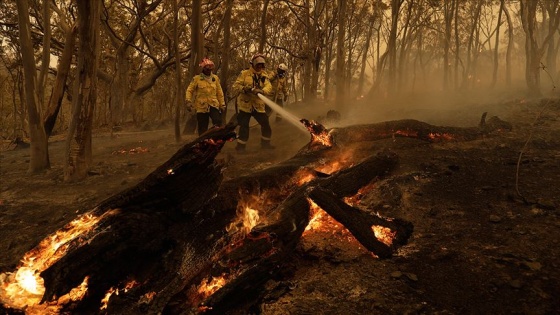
x: 332, y: 167
x: 131, y: 151
x: 209, y: 287
x: 304, y: 176
x: 355, y: 200
x: 407, y: 133
x: 319, y: 134
x: 322, y: 138
x: 440, y: 136
x: 31, y: 303
x: 247, y: 219
x: 24, y: 288
x: 105, y: 301
x: 322, y: 222
x: 384, y: 234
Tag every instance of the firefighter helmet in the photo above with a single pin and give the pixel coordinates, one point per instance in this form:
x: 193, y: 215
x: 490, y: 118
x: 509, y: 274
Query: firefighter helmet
x: 257, y: 58
x: 206, y: 62
x: 283, y: 67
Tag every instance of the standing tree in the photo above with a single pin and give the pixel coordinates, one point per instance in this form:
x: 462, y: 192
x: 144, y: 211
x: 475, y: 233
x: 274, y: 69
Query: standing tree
x: 533, y: 51
x: 39, y: 157
x: 340, y: 95
x: 224, y: 71
x: 179, y: 99
x: 78, y: 141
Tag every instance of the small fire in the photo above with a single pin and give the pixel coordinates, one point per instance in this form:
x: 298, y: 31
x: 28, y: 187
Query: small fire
x: 304, y: 176
x: 322, y: 138
x: 322, y: 222
x: 247, y: 219
x: 407, y: 133
x: 384, y: 234
x: 436, y: 136
x: 355, y: 200
x: 105, y: 301
x: 319, y: 134
x: 209, y: 287
x: 136, y: 150
x: 330, y: 168
x: 25, y: 287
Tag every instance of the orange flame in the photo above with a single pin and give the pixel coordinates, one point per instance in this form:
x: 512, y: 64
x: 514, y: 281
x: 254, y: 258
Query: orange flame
x: 247, y: 219
x: 24, y: 288
x: 105, y: 301
x: 384, y: 234
x: 441, y: 136
x: 209, y: 287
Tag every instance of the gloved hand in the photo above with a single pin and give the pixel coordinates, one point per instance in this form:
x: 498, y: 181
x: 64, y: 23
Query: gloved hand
x: 257, y: 91
x: 247, y: 88
x: 190, y: 106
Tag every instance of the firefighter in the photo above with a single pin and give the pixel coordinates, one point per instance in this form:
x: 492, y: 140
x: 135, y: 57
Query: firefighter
x: 249, y: 84
x: 279, y: 89
x: 206, y: 97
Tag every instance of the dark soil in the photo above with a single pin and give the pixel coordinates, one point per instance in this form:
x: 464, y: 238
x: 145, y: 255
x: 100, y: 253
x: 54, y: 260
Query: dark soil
x: 486, y: 233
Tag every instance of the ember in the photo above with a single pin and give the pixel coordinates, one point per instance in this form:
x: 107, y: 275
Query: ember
x: 136, y: 150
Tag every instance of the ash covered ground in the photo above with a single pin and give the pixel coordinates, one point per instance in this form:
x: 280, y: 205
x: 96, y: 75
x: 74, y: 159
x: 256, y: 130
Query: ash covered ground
x: 486, y: 232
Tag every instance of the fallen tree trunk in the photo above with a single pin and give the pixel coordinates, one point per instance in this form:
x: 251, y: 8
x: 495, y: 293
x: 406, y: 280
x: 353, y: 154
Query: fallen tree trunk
x: 419, y: 130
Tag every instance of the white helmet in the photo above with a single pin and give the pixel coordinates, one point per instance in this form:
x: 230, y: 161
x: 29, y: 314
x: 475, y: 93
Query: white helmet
x: 283, y: 67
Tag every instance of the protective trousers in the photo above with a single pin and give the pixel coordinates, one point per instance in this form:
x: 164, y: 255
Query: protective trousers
x: 243, y: 119
x: 204, y: 118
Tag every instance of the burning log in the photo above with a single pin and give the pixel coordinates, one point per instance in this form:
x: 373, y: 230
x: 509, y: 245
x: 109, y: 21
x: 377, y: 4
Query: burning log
x: 420, y: 130
x: 128, y: 236
x: 251, y: 261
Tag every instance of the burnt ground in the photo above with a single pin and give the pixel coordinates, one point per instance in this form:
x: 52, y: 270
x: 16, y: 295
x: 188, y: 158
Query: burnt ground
x: 482, y: 244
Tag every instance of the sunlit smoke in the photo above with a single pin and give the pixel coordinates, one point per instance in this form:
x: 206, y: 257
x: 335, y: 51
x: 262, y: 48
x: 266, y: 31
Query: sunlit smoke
x: 291, y: 118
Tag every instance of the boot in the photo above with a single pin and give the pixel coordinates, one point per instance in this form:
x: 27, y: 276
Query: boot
x: 265, y: 144
x: 240, y: 147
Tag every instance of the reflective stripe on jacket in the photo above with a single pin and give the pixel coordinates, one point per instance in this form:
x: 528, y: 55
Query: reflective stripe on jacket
x: 250, y: 79
x: 206, y: 93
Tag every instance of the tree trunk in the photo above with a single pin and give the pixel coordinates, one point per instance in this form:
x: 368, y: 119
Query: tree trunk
x: 46, y: 54
x: 497, y: 46
x: 340, y: 54
x: 224, y: 71
x: 78, y: 142
x: 392, y: 46
x: 448, y: 19
x: 39, y: 157
x: 63, y: 68
x: 180, y: 96
x: 262, y: 37
x: 509, y: 50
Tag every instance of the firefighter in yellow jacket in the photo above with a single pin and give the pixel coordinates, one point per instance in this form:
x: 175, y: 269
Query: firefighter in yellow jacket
x: 206, y: 96
x: 279, y: 89
x: 249, y: 84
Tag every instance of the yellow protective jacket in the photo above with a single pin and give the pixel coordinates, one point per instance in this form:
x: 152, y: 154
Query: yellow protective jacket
x: 206, y: 92
x: 279, y: 87
x: 248, y: 79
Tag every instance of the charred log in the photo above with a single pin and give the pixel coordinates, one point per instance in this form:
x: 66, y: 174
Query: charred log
x: 134, y: 231
x: 420, y: 130
x: 255, y: 259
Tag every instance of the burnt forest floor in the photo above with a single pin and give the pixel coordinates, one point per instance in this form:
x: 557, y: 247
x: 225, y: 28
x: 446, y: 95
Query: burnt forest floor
x: 482, y: 244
